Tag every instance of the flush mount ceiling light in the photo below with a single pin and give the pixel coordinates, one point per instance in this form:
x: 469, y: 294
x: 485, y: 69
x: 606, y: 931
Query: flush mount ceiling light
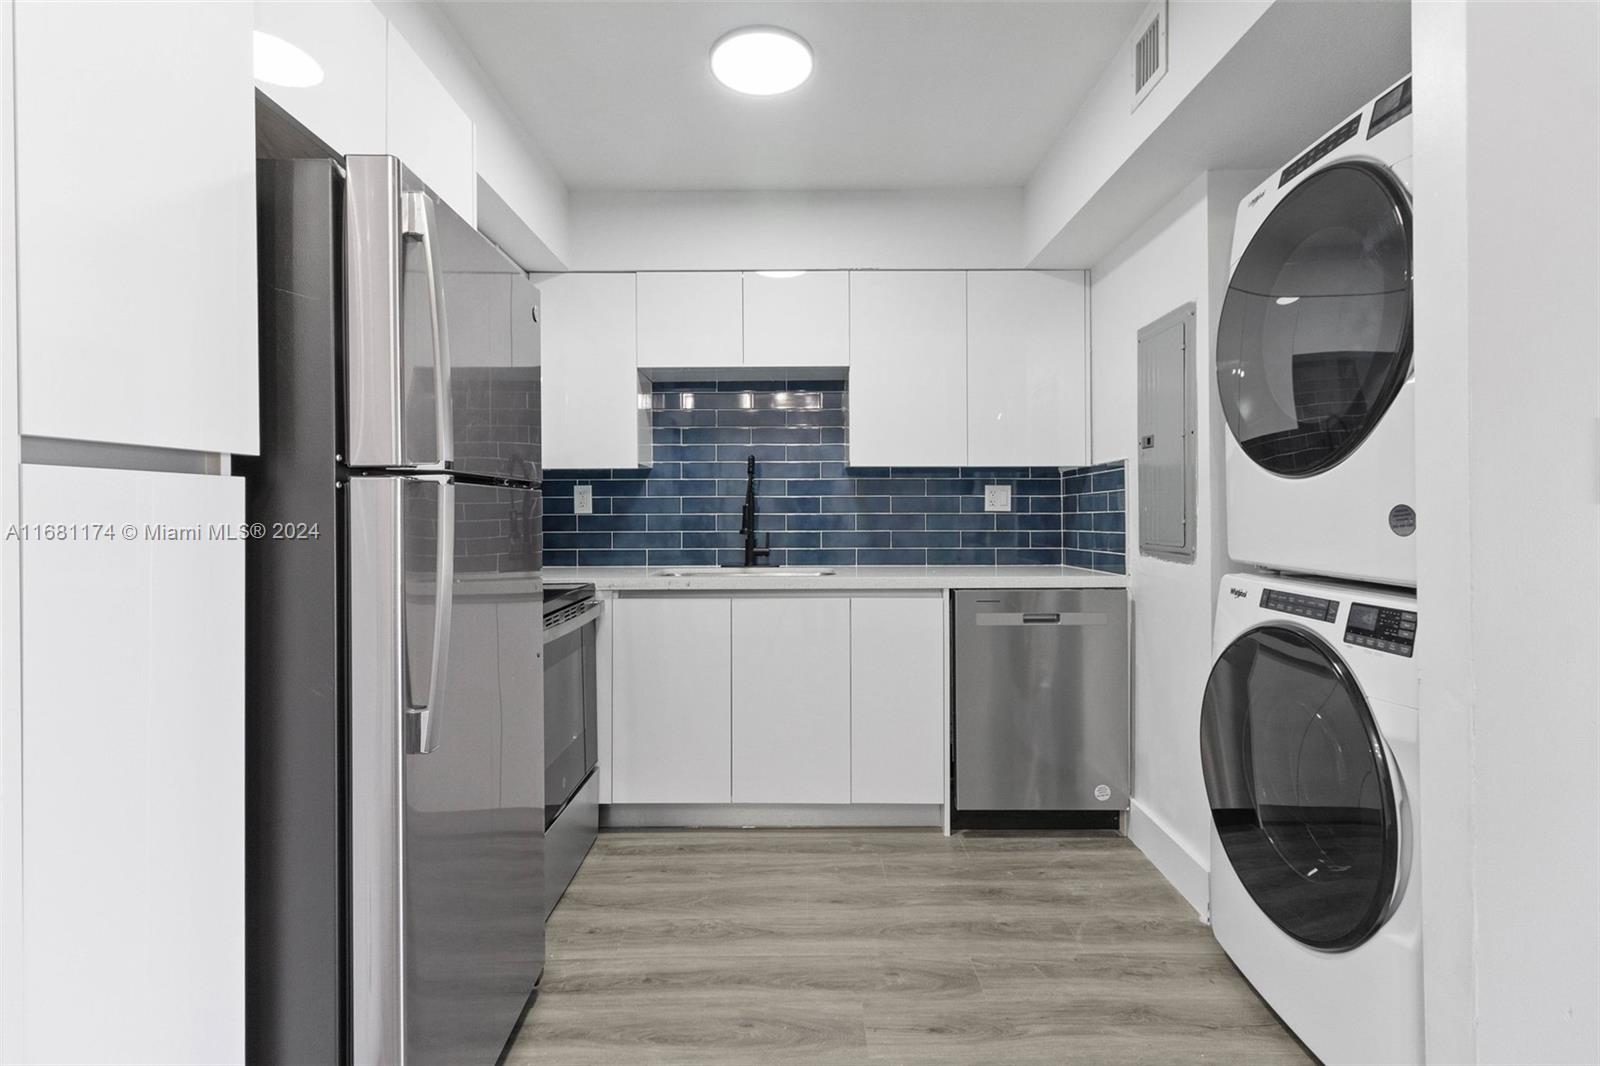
x: 780, y: 273
x: 761, y: 60
x: 277, y: 62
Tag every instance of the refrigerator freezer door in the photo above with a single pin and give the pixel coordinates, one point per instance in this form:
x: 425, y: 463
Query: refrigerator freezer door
x: 447, y: 844
x: 443, y: 353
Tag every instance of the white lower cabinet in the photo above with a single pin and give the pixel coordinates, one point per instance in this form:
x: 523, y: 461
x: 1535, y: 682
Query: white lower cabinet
x: 133, y: 774
x: 671, y: 716
x: 897, y: 672
x: 791, y: 699
x: 781, y: 698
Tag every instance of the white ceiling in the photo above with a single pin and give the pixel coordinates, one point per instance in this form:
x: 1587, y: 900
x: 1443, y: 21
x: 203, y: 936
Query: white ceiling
x: 904, y: 95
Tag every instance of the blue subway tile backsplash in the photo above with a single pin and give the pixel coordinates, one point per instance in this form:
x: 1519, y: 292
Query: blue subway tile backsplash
x: 1093, y: 517
x: 815, y: 508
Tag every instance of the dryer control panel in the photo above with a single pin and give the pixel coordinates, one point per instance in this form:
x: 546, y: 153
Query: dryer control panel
x: 1314, y: 607
x: 1386, y: 629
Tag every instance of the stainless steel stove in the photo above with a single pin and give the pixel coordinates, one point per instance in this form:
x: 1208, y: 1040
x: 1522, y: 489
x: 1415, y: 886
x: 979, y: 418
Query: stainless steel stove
x: 571, y: 733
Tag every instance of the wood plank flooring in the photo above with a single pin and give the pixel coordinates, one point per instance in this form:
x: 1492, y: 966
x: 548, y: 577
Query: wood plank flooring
x: 772, y: 947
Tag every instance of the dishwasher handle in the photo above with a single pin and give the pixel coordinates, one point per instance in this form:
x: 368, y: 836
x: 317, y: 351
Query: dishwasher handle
x: 1041, y: 618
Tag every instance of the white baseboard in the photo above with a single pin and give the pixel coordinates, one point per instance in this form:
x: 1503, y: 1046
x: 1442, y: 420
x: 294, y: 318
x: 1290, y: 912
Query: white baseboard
x: 1189, y: 873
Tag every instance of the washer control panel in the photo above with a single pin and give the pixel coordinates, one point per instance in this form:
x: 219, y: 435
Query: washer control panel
x: 1304, y: 606
x: 1385, y: 629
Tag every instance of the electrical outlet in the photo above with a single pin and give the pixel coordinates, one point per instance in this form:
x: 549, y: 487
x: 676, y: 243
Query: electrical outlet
x: 583, y: 499
x: 997, y: 497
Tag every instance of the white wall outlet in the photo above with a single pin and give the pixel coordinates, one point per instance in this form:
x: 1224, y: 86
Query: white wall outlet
x: 997, y: 497
x: 583, y: 499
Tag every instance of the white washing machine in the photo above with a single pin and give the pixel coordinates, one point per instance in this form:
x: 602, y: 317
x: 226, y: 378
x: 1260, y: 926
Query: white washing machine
x: 1308, y: 740
x: 1314, y: 358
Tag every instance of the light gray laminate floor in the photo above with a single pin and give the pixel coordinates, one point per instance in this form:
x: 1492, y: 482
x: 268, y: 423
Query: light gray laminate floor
x: 885, y: 946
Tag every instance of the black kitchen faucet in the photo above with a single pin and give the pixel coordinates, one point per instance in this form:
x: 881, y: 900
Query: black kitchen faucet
x: 747, y: 520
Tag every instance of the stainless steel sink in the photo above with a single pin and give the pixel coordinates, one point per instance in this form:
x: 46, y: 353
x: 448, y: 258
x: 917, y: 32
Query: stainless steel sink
x: 753, y: 571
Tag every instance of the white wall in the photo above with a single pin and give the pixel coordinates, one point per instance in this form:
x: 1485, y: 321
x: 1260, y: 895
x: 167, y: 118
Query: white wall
x: 1177, y: 256
x: 1508, y: 267
x: 904, y: 229
x: 507, y: 158
x: 10, y: 569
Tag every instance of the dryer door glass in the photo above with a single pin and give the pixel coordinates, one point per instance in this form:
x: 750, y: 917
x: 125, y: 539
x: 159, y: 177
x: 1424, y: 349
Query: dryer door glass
x: 1300, y: 789
x: 1315, y: 337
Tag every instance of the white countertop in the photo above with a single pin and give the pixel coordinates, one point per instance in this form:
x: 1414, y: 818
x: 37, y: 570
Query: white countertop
x: 642, y: 579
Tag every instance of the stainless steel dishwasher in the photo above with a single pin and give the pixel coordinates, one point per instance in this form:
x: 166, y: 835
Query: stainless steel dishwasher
x: 1041, y: 706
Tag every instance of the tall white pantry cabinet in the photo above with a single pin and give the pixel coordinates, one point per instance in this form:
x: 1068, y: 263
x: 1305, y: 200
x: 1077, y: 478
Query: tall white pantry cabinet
x: 122, y: 896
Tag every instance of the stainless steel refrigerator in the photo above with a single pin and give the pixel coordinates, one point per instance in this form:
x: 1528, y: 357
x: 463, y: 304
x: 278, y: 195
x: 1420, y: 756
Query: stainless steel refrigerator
x: 396, y: 734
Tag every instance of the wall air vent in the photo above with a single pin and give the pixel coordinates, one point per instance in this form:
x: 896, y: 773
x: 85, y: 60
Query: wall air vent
x: 1147, y: 49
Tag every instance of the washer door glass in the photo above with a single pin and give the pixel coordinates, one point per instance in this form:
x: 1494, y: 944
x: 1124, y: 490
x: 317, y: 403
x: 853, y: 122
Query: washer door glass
x: 1300, y: 788
x: 1315, y: 337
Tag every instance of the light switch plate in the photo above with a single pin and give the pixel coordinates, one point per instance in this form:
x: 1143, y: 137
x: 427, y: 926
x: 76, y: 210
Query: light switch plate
x: 583, y: 499
x: 997, y: 497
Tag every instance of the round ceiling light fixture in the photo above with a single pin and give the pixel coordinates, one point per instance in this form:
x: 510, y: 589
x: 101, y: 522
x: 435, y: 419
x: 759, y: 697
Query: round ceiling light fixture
x: 277, y: 62
x: 761, y: 60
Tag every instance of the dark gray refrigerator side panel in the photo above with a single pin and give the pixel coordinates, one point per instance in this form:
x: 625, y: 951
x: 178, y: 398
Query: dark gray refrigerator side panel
x: 293, y: 738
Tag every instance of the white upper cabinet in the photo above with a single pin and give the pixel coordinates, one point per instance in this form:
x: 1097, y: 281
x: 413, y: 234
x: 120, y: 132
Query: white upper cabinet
x: 429, y: 131
x: 1025, y: 383
x: 348, y: 39
x: 136, y: 223
x: 908, y: 368
x: 690, y: 319
x: 791, y: 699
x: 592, y: 417
x: 797, y: 321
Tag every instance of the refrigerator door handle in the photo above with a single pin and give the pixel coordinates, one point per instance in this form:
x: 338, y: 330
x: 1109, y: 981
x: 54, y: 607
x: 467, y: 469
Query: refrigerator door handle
x: 422, y: 722
x: 418, y: 221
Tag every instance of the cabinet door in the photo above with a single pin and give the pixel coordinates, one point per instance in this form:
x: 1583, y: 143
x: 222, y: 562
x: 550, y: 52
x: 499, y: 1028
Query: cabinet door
x: 590, y: 386
x: 136, y: 223
x: 897, y: 672
x: 908, y: 368
x: 670, y: 717
x: 791, y: 699
x: 1026, y: 395
x: 348, y: 39
x: 429, y: 131
x: 133, y: 777
x: 690, y: 319
x: 798, y: 321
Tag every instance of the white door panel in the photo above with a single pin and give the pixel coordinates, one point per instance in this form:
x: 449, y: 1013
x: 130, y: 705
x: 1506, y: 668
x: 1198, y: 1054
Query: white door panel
x: 133, y: 776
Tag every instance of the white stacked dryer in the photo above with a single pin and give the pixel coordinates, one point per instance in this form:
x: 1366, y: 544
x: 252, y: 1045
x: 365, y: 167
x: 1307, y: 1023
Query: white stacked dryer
x: 1308, y: 742
x: 1314, y: 358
